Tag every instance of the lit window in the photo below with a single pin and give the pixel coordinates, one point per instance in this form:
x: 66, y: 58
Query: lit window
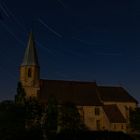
x: 97, y: 111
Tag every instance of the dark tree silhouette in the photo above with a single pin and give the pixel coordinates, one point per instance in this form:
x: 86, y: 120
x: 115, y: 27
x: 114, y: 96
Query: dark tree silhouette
x: 33, y: 113
x: 20, y: 96
x: 51, y: 115
x: 69, y: 118
x: 11, y: 120
x: 135, y: 119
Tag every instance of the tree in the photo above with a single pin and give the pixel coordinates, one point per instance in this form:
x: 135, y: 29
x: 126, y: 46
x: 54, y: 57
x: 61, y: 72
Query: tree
x: 69, y: 118
x: 135, y: 119
x: 11, y: 120
x: 33, y: 113
x: 20, y: 96
x: 51, y: 115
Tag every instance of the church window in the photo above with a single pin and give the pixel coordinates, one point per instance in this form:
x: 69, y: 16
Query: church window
x: 97, y: 111
x: 29, y: 72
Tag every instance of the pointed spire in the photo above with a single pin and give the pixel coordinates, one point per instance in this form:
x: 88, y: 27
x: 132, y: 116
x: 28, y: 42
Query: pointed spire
x: 30, y: 57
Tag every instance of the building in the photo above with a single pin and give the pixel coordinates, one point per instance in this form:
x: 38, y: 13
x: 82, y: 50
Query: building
x: 100, y: 107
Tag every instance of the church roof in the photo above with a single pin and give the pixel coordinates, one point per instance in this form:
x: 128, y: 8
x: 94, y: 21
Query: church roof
x: 30, y: 57
x: 115, y: 94
x: 79, y: 93
x: 82, y: 93
x: 113, y: 114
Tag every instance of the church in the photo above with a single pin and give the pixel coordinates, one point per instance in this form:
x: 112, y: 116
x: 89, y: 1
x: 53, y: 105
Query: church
x: 100, y: 107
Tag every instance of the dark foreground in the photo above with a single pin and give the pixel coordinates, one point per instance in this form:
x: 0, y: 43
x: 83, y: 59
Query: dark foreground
x: 97, y: 135
x: 69, y: 135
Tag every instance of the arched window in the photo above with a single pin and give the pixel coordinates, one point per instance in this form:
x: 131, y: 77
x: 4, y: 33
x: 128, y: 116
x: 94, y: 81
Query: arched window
x: 29, y: 72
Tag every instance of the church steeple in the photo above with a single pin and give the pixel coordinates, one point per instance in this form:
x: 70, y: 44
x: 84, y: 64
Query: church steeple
x: 30, y: 57
x: 29, y: 69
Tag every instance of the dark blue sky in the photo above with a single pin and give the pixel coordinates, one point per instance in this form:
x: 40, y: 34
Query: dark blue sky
x: 89, y: 40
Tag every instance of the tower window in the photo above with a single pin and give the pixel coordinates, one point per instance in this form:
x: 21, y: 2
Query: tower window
x: 29, y: 72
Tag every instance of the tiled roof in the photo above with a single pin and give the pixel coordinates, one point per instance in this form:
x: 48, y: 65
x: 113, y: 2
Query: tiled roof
x: 117, y: 94
x: 113, y: 114
x: 82, y: 93
x: 30, y: 57
x: 79, y: 93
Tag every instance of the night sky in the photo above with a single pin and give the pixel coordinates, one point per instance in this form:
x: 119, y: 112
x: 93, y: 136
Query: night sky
x: 86, y: 40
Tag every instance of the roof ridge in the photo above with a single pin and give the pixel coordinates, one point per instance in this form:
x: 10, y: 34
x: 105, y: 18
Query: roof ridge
x: 75, y: 81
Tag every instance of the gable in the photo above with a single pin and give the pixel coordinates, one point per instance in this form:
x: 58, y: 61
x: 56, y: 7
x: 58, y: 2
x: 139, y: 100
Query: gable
x: 113, y: 114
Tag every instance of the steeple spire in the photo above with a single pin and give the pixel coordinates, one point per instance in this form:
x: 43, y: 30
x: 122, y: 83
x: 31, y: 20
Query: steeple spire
x: 29, y: 69
x: 30, y: 57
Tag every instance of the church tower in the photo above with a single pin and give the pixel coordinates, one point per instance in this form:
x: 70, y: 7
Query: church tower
x: 29, y: 69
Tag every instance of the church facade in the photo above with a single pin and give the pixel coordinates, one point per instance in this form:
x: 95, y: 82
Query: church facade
x: 100, y: 107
